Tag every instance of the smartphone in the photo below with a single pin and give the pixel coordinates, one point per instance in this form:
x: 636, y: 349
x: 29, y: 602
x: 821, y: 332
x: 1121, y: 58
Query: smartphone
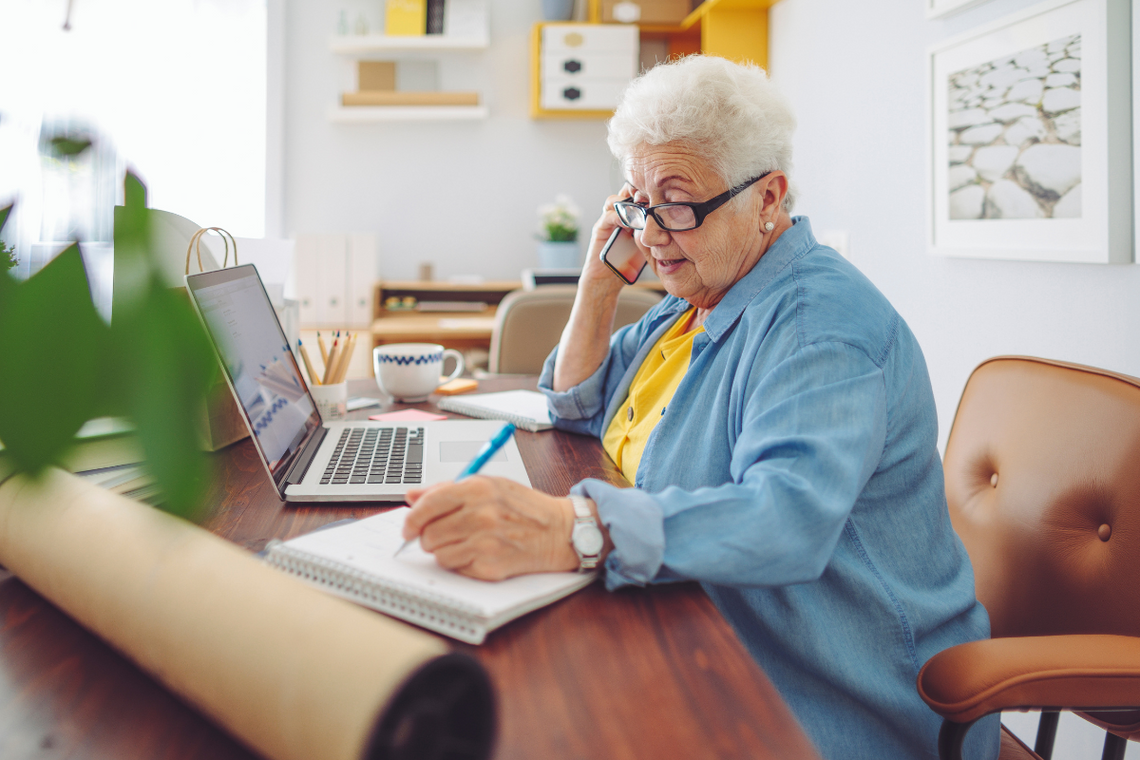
x: 622, y: 256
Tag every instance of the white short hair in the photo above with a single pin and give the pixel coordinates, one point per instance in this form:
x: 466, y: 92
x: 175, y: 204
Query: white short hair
x: 729, y: 113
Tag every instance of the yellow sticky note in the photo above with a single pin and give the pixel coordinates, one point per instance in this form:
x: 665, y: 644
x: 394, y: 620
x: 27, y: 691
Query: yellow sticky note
x: 406, y: 18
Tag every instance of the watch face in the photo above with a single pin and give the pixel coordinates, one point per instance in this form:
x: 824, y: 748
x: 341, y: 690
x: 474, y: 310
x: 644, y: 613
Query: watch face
x: 588, y: 540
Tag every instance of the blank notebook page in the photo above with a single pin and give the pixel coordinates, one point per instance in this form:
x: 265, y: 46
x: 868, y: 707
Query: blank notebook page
x: 368, y: 545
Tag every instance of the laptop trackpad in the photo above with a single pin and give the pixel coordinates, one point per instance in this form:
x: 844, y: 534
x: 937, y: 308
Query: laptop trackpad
x: 465, y: 451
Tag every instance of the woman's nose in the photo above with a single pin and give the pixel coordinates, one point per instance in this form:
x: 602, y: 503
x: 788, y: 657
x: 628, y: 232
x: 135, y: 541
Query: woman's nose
x: 653, y: 234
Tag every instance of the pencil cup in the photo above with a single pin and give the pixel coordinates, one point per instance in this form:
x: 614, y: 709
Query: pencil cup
x: 331, y: 400
x: 411, y: 371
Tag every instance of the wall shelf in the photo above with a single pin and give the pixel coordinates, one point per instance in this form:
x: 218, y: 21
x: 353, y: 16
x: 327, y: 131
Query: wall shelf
x: 471, y: 38
x: 370, y: 114
x: 367, y: 44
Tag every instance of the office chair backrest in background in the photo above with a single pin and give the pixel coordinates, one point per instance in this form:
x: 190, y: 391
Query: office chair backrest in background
x: 529, y: 323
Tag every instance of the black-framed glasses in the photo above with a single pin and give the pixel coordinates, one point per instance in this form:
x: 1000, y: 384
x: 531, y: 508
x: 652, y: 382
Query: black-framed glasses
x: 677, y: 217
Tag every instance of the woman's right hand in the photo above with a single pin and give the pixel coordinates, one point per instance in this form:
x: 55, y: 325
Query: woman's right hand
x: 595, y: 272
x: 586, y: 337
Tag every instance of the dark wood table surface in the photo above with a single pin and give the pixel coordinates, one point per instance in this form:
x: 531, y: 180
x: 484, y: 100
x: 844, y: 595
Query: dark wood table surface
x: 639, y: 673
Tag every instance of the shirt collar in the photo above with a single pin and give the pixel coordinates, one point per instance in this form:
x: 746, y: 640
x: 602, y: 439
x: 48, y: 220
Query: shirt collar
x: 791, y: 245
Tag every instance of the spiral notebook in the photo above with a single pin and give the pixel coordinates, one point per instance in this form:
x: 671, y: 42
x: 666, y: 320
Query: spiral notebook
x: 526, y: 409
x: 355, y: 561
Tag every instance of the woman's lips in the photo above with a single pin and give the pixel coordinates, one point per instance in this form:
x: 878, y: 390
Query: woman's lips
x: 668, y: 266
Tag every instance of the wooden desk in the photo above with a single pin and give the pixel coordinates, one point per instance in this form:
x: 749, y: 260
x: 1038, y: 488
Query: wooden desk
x: 641, y: 673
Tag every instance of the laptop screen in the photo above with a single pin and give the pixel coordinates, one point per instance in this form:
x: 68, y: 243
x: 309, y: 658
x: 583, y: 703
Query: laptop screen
x: 262, y: 370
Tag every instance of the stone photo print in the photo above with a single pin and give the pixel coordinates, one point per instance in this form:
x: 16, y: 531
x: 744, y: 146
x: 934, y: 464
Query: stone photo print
x: 1014, y: 128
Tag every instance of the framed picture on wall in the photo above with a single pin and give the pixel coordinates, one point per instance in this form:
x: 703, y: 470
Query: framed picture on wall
x: 1029, y: 136
x: 938, y: 8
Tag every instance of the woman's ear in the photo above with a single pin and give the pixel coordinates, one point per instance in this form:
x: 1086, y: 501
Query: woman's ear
x: 772, y: 190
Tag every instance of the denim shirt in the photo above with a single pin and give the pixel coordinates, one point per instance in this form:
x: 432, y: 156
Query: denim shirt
x: 795, y: 474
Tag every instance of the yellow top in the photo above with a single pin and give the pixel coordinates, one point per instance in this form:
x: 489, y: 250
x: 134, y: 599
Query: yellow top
x: 652, y: 389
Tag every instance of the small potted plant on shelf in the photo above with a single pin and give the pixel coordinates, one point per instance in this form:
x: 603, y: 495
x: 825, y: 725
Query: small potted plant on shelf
x: 558, y: 234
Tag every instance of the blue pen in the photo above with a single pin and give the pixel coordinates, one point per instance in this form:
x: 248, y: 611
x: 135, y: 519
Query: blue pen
x: 489, y: 450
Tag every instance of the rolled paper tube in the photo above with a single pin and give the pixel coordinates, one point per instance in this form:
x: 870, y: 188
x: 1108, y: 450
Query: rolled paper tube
x: 291, y: 672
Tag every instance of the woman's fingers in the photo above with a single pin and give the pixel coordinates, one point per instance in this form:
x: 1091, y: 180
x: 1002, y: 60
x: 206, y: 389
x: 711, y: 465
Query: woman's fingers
x: 490, y: 528
x: 430, y: 504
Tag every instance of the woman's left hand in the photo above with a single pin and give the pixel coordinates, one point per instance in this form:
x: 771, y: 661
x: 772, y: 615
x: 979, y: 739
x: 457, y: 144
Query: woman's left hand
x: 492, y: 528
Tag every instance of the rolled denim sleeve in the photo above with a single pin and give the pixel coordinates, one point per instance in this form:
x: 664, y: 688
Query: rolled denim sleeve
x: 636, y: 526
x: 575, y: 409
x: 810, y: 434
x: 582, y: 409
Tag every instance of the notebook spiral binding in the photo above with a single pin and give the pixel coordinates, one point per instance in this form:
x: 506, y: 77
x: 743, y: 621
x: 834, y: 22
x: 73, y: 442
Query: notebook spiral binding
x: 434, y: 611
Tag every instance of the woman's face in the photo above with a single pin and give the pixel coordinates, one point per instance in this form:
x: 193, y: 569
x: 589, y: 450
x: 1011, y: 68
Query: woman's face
x: 697, y: 265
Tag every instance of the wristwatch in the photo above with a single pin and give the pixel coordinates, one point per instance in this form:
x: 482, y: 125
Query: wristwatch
x: 586, y: 537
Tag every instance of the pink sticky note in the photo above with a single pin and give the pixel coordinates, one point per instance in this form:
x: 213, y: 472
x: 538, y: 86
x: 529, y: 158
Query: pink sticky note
x: 407, y: 415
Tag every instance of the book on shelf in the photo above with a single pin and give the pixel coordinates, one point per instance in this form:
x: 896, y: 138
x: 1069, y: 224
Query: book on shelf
x: 357, y: 561
x: 472, y: 306
x: 526, y: 409
x: 435, y: 16
x: 401, y: 98
x: 405, y: 18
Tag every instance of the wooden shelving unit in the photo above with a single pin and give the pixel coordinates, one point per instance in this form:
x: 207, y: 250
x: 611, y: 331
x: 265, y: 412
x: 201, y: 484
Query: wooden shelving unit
x: 459, y: 330
x: 369, y: 114
x: 367, y: 46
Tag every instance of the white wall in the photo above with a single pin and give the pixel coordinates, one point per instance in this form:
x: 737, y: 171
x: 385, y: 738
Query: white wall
x: 857, y: 81
x: 461, y: 194
x: 856, y: 73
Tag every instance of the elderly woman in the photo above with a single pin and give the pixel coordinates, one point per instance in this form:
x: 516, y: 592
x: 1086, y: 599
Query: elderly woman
x: 774, y: 414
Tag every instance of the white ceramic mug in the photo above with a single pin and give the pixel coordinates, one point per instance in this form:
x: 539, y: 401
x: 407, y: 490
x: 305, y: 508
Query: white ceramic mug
x: 411, y: 371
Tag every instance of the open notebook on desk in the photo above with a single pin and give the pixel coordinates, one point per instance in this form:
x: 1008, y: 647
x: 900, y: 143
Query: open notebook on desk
x: 526, y: 409
x: 356, y: 561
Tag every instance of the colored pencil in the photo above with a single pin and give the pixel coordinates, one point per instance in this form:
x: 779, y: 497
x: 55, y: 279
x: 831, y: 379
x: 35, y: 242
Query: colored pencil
x: 308, y: 364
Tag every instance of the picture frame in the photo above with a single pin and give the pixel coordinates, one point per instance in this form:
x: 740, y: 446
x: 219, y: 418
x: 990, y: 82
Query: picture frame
x: 940, y: 8
x: 1029, y: 139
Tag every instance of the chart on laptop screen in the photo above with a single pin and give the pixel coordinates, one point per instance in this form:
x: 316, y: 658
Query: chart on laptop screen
x: 264, y: 373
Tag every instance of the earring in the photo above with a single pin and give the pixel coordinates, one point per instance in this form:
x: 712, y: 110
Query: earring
x: 768, y: 226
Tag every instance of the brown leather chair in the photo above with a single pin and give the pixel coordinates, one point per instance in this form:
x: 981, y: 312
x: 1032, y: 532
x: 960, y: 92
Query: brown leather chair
x: 528, y: 324
x: 1043, y: 485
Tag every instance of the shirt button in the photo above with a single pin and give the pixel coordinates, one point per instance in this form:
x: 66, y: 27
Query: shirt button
x: 629, y: 416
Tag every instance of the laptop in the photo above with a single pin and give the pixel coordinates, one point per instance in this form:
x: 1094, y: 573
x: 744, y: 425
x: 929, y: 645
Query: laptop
x: 307, y: 458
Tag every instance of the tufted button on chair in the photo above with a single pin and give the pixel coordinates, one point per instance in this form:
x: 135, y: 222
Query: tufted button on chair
x: 1043, y: 485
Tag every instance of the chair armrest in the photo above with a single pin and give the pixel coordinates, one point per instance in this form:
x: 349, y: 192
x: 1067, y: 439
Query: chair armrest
x: 970, y: 680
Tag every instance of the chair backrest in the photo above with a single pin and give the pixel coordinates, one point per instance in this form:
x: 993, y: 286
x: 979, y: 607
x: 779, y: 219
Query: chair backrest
x: 529, y: 323
x: 1043, y: 485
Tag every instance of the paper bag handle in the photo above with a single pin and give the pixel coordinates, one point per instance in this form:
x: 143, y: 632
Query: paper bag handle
x: 196, y: 245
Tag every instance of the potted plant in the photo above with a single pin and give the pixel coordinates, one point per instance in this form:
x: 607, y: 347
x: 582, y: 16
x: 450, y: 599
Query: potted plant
x: 64, y: 365
x: 558, y: 234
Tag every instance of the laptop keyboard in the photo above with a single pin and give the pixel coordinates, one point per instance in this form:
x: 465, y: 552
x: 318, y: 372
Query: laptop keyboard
x: 376, y: 455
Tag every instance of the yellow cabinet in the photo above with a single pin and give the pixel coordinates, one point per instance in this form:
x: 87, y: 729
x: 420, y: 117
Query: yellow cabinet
x: 733, y: 29
x: 581, y: 69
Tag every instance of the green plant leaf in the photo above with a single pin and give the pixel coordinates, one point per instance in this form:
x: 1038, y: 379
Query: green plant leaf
x: 166, y: 358
x: 52, y: 341
x: 4, y: 212
x: 171, y: 365
x: 69, y: 146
